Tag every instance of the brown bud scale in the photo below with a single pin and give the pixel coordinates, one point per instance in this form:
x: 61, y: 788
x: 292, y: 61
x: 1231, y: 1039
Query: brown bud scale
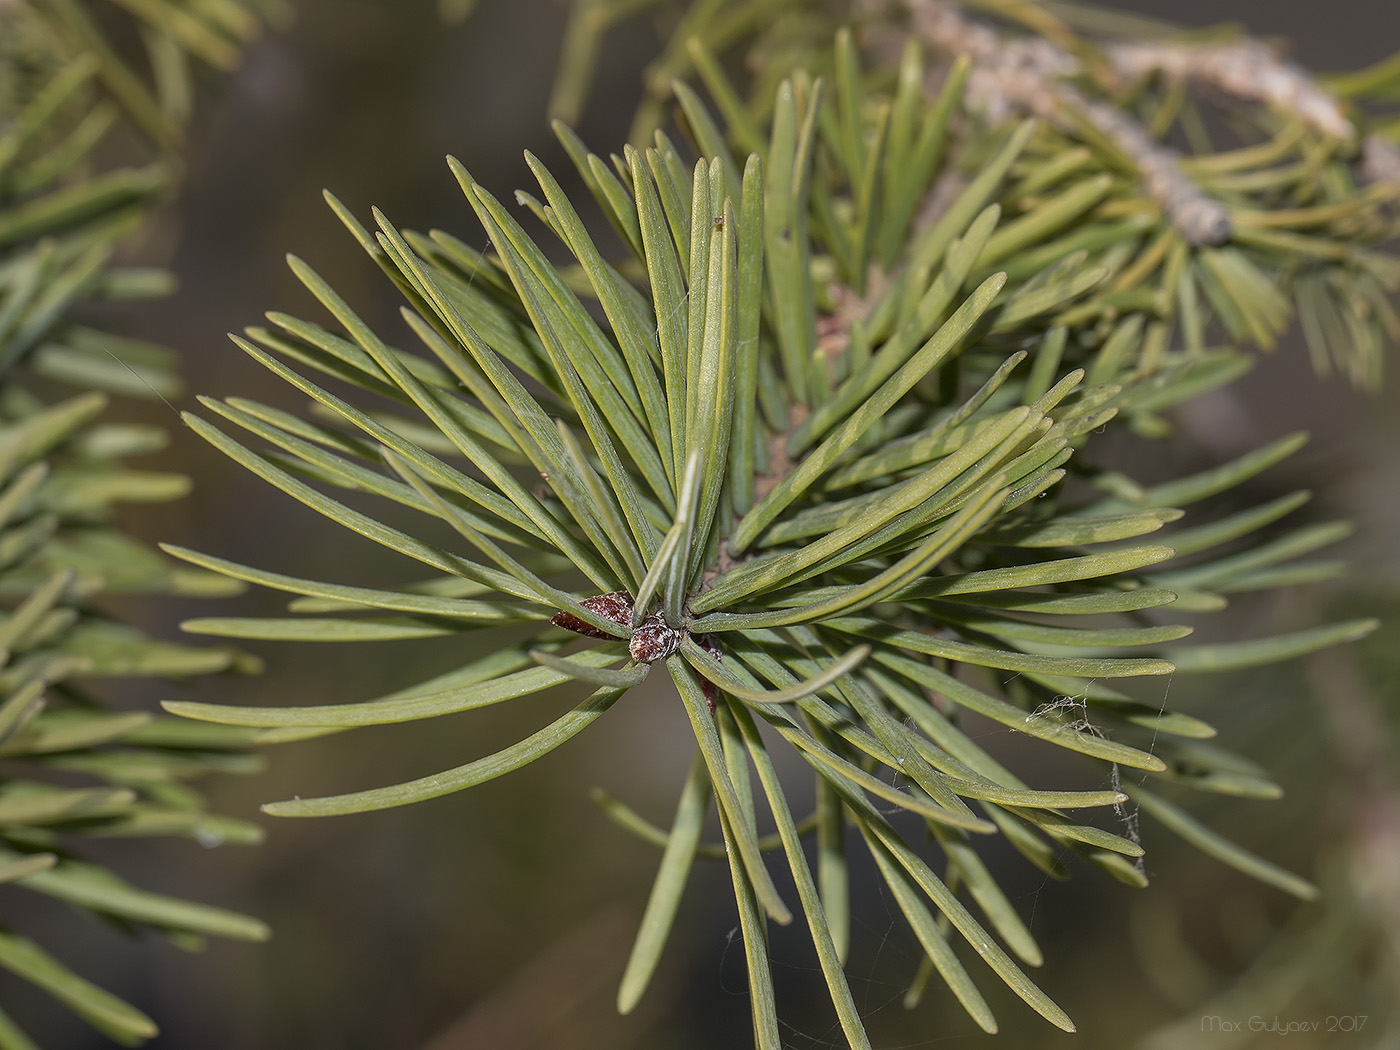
x: 654, y: 640
x: 615, y: 606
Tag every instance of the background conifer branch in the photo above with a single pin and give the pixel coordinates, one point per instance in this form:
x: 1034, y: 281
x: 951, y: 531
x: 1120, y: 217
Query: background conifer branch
x: 77, y: 770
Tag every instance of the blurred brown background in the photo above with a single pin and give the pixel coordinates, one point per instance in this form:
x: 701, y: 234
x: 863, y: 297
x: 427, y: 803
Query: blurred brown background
x: 500, y: 918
